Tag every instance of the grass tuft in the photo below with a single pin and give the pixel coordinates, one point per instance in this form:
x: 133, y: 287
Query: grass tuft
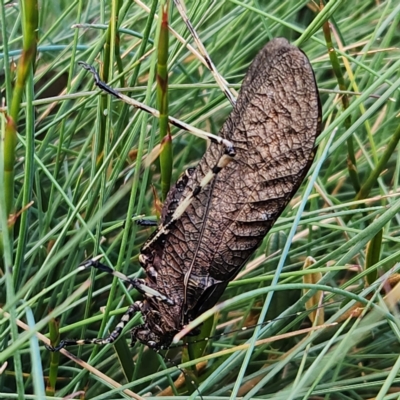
x: 78, y: 156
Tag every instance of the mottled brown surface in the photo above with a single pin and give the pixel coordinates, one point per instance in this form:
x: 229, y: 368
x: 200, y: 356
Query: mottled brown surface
x: 273, y: 128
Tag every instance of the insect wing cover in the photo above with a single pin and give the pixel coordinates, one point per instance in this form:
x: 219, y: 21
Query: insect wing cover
x: 273, y: 128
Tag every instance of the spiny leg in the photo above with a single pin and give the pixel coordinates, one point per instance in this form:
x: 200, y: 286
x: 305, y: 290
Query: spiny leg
x: 112, y: 337
x: 222, y: 162
x: 179, y: 124
x: 138, y: 284
x: 142, y: 222
x: 172, y: 200
x: 146, y: 222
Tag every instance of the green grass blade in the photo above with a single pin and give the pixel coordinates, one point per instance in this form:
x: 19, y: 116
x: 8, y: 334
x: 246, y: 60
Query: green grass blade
x: 162, y: 99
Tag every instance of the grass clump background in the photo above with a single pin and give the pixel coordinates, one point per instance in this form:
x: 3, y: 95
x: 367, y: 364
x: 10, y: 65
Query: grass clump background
x: 73, y: 182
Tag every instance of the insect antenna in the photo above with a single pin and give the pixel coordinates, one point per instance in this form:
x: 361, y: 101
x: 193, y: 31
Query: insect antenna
x: 248, y: 327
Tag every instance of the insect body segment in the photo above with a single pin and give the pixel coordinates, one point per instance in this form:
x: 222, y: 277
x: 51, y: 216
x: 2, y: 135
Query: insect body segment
x: 217, y: 214
x: 138, y: 284
x: 273, y: 128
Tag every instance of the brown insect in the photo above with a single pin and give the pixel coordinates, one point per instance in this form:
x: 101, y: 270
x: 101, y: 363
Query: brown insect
x: 218, y: 213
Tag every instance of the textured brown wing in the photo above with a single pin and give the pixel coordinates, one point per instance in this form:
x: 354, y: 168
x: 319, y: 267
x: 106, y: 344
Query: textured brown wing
x: 273, y: 128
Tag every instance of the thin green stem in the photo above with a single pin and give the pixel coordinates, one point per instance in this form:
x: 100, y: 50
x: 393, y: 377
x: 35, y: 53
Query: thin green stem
x: 162, y: 99
x: 351, y: 158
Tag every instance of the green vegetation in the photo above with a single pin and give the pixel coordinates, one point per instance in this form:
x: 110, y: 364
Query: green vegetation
x: 79, y: 158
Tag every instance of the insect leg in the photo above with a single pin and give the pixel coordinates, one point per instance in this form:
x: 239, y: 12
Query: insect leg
x: 146, y: 222
x: 179, y: 124
x: 222, y: 162
x: 138, y: 284
x: 112, y: 337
